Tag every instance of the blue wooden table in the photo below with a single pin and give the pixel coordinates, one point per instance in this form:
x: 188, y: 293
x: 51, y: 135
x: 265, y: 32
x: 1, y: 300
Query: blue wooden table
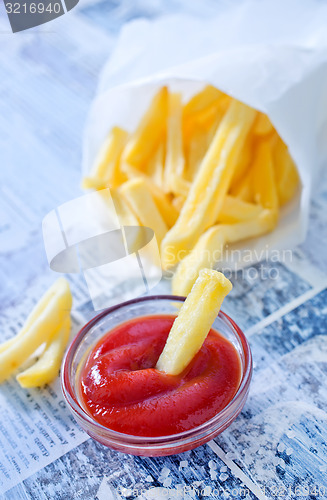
x: 277, y: 446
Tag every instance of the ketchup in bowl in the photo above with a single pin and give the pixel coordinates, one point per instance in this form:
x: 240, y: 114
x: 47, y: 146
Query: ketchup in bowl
x: 122, y: 390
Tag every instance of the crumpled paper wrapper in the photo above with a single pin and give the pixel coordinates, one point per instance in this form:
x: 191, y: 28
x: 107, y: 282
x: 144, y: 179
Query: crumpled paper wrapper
x: 272, y: 56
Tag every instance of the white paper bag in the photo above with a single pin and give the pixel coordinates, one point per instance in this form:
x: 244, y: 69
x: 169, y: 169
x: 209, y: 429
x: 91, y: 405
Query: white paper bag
x: 282, y: 72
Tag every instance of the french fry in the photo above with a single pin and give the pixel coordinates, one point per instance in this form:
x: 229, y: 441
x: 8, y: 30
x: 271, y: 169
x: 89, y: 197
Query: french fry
x: 178, y: 202
x: 180, y: 186
x: 205, y: 122
x: 243, y: 189
x: 105, y: 171
x: 118, y: 208
x: 262, y: 125
x: 244, y: 162
x: 138, y: 197
x: 125, y: 215
x: 155, y: 168
x: 236, y: 210
x: 206, y: 119
x: 93, y: 183
x: 196, y: 145
x: 36, y: 312
x: 195, y: 150
x: 149, y: 132
x: 167, y: 210
x: 199, y: 126
x: 210, y: 246
x: 252, y: 228
x: 287, y: 177
x: 207, y: 192
x: 174, y: 163
x: 133, y: 238
x: 40, y: 327
x: 233, y: 209
x: 194, y: 321
x: 212, y: 114
x: 46, y: 369
x: 263, y: 178
x: 207, y: 97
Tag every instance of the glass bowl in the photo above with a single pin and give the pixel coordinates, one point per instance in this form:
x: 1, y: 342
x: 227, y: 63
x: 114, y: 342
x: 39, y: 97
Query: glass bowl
x: 91, y: 333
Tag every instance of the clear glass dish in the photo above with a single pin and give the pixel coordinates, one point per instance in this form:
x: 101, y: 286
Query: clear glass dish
x: 91, y: 333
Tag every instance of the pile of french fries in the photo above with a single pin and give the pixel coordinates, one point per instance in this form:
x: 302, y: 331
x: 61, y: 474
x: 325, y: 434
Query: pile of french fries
x: 202, y: 174
x: 48, y: 325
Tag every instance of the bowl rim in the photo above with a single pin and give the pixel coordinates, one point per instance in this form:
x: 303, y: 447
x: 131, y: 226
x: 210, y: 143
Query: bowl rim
x: 220, y: 419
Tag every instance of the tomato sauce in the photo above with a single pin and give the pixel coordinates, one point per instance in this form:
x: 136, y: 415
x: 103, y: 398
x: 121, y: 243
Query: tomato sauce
x: 122, y: 389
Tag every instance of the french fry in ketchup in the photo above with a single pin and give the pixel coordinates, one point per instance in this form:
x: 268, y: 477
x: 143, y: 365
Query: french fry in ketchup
x: 194, y: 321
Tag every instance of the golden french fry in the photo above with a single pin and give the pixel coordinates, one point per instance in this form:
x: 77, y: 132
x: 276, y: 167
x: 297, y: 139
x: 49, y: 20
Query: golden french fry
x: 207, y: 192
x: 212, y: 114
x: 262, y: 125
x: 132, y: 172
x: 135, y: 239
x: 93, y: 183
x: 149, y: 132
x: 204, y: 120
x: 174, y: 163
x: 178, y: 202
x: 263, y: 178
x: 37, y: 311
x: 195, y: 150
x: 118, y: 208
x: 180, y: 186
x: 105, y: 170
x: 263, y: 223
x: 287, y: 177
x: 167, y: 210
x: 40, y: 326
x: 210, y: 246
x: 243, y: 188
x: 207, y: 97
x: 244, y: 161
x: 110, y: 182
x: 236, y: 210
x: 196, y: 146
x: 125, y: 215
x: 194, y: 321
x: 47, y: 367
x: 204, y: 110
x: 233, y: 209
x: 138, y: 196
x: 155, y: 168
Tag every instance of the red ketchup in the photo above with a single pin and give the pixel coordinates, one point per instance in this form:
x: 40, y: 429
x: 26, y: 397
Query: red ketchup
x: 122, y: 389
